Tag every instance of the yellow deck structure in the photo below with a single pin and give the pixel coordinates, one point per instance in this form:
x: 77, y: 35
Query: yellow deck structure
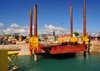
x: 33, y: 43
x: 4, y: 57
x: 13, y: 55
x: 85, y: 39
x: 3, y: 60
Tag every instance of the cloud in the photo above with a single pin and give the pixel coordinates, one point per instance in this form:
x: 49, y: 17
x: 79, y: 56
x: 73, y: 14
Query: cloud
x: 12, y: 31
x: 15, y: 28
x: 58, y: 30
x: 2, y: 25
x: 47, y: 29
x: 25, y: 30
x: 14, y: 25
x: 32, y: 27
x: 79, y: 31
x: 54, y: 28
x: 41, y: 27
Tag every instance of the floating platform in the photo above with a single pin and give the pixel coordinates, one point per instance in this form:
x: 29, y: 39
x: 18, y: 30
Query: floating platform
x: 60, y: 49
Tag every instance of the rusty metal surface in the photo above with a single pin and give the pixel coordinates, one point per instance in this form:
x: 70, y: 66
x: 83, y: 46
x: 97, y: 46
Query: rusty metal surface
x: 84, y: 18
x: 48, y: 46
x: 71, y: 22
x: 30, y: 23
x: 68, y: 49
x: 62, y: 49
x: 71, y: 43
x: 35, y: 20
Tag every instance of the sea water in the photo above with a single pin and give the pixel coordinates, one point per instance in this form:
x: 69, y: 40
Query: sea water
x: 63, y: 62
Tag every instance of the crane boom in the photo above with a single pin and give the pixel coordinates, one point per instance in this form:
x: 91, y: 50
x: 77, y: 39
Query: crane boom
x: 2, y: 33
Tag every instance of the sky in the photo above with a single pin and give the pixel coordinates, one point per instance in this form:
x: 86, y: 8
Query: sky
x: 15, y: 16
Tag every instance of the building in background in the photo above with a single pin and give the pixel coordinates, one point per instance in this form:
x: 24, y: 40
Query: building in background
x: 95, y: 36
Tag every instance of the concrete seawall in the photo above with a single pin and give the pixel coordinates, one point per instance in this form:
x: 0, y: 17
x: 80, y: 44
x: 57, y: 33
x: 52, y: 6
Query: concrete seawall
x: 23, y: 49
x: 95, y: 47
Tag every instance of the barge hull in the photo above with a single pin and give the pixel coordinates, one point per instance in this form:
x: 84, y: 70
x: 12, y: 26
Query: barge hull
x: 61, y: 49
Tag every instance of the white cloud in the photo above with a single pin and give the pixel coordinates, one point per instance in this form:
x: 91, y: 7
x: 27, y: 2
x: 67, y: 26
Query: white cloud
x: 54, y: 28
x: 14, y: 25
x: 12, y: 31
x: 32, y: 27
x: 15, y: 28
x: 41, y: 27
x: 48, y: 30
x: 2, y: 25
x: 79, y: 31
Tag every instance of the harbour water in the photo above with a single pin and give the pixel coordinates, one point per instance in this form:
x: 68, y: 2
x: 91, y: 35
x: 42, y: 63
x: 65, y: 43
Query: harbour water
x: 65, y: 62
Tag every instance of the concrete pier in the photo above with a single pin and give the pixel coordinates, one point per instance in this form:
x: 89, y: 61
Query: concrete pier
x: 95, y: 47
x: 23, y: 49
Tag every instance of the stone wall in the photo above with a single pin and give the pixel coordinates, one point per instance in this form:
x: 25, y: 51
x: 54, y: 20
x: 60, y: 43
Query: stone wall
x: 23, y: 49
x: 95, y: 47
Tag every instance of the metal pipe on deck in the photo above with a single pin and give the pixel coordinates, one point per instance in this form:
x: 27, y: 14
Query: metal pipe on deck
x: 30, y: 28
x: 71, y: 22
x: 84, y: 18
x: 35, y: 27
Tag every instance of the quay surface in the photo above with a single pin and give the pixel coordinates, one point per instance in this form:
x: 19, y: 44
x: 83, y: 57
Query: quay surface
x: 23, y: 49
